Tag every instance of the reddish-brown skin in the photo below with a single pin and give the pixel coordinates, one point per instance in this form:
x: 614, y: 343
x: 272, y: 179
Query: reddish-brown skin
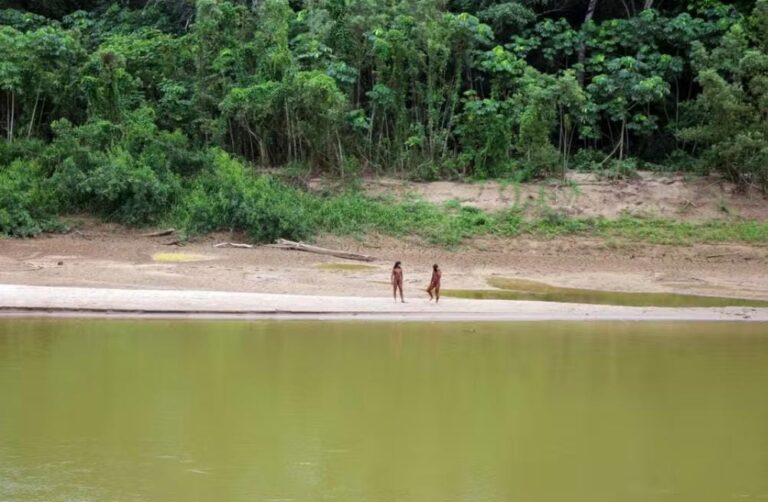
x: 397, y: 283
x: 434, y: 285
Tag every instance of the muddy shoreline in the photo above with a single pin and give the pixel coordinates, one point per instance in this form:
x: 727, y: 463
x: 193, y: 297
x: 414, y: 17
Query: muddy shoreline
x: 103, y: 256
x: 31, y: 301
x: 101, y: 259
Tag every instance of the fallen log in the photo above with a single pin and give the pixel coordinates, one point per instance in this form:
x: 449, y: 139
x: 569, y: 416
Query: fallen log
x: 161, y: 233
x: 79, y: 233
x: 300, y: 246
x: 232, y: 245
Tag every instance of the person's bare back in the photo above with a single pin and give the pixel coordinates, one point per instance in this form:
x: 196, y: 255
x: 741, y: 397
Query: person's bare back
x: 397, y: 281
x: 434, y: 283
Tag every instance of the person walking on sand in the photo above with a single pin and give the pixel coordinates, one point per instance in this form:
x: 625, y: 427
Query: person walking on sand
x: 397, y: 281
x: 434, y: 283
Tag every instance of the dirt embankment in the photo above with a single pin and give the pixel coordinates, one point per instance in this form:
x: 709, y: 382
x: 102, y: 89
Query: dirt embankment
x: 108, y: 256
x: 587, y: 195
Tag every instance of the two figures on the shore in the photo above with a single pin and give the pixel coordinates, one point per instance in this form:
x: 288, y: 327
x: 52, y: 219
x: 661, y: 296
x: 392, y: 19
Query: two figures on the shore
x: 434, y: 284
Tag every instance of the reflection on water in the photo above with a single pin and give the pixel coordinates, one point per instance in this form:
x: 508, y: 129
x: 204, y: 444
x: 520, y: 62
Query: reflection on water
x: 578, y: 412
x: 522, y: 289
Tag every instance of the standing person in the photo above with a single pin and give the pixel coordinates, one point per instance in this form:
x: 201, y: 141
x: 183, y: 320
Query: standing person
x: 397, y: 281
x: 434, y: 283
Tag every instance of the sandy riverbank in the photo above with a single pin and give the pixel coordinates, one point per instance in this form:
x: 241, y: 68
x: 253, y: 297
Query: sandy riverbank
x: 20, y: 300
x: 104, y: 268
x: 104, y: 256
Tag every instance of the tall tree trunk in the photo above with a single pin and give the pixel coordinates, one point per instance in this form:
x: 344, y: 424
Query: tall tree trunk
x: 34, y: 111
x: 648, y: 4
x: 13, y: 111
x: 621, y: 140
x: 583, y: 47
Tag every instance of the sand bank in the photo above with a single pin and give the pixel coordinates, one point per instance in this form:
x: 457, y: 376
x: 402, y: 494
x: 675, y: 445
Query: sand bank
x: 22, y: 300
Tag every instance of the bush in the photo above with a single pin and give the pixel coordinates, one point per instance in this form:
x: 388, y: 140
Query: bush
x: 121, y: 188
x: 25, y: 206
x: 125, y: 172
x: 587, y: 159
x: 229, y: 197
x: 625, y: 168
x: 19, y: 149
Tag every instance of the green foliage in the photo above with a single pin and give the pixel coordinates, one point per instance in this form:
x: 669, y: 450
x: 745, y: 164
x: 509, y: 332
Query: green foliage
x: 122, y: 104
x: 26, y: 208
x: 228, y: 197
x: 352, y: 213
x: 121, y: 187
x: 730, y: 116
x: 485, y: 130
x: 126, y: 172
x: 410, y: 87
x: 23, y: 149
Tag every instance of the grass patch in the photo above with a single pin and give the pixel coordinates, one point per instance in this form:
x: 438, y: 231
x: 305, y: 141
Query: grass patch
x: 450, y: 224
x: 661, y: 231
x: 227, y: 195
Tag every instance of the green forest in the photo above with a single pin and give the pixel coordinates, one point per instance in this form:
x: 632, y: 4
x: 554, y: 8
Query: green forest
x: 209, y: 114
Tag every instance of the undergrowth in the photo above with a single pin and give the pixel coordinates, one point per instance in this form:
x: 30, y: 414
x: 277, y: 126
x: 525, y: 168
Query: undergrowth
x: 229, y: 195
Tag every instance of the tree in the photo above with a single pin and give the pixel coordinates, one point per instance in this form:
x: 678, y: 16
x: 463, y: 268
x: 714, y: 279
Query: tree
x: 730, y: 117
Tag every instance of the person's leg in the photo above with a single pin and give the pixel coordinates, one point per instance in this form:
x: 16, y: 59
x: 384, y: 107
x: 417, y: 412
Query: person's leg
x: 429, y: 292
x: 437, y: 294
x: 394, y: 291
x: 401, y: 292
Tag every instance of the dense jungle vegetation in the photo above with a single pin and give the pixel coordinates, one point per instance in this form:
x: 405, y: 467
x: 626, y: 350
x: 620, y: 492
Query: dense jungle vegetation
x: 207, y: 112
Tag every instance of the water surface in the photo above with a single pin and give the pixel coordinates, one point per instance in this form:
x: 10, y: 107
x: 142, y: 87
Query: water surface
x: 303, y: 411
x: 523, y: 289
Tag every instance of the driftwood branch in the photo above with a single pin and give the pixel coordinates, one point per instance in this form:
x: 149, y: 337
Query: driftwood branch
x: 300, y: 246
x: 232, y: 245
x: 161, y: 233
x: 80, y: 234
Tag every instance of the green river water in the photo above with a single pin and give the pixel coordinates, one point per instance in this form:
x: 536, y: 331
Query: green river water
x: 114, y: 410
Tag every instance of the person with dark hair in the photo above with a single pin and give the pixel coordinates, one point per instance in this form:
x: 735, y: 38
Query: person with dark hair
x: 397, y: 281
x: 434, y: 283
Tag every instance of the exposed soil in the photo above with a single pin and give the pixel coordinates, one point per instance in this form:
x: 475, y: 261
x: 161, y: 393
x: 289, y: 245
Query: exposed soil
x: 101, y: 255
x: 586, y: 195
x: 108, y: 256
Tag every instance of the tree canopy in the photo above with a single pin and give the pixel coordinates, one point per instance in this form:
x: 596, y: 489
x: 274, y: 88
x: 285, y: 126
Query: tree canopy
x: 419, y: 88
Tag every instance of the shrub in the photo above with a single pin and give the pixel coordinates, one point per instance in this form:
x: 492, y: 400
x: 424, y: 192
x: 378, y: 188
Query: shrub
x: 126, y: 172
x: 227, y: 196
x: 19, y: 149
x: 587, y: 159
x: 26, y: 208
x: 121, y: 187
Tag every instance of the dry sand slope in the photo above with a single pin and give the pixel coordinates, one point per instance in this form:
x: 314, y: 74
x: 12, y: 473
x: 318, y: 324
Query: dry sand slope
x: 587, y: 195
x: 123, y: 261
x: 108, y: 256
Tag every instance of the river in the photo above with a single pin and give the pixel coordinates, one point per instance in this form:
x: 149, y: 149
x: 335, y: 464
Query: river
x: 382, y: 411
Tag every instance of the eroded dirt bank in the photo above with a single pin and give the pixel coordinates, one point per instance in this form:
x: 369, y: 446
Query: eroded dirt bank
x: 110, y: 257
x: 672, y: 196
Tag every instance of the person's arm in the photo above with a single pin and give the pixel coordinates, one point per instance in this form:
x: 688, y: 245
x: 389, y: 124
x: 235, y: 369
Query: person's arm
x: 392, y: 278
